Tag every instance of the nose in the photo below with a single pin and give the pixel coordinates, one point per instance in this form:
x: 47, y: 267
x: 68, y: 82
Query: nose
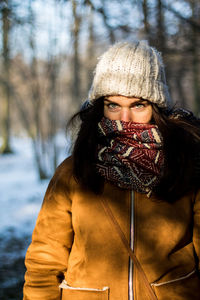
x: 125, y: 115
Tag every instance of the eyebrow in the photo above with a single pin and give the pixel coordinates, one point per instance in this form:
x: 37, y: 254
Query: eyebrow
x: 105, y: 99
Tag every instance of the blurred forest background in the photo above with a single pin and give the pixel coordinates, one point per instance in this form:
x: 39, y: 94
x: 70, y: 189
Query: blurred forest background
x: 48, y: 53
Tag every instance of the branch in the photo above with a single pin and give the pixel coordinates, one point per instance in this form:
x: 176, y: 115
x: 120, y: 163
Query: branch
x: 190, y: 21
x: 24, y: 116
x: 105, y: 18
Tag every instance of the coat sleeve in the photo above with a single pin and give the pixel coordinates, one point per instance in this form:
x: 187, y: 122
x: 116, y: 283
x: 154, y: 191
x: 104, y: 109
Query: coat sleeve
x: 47, y: 256
x: 196, y: 230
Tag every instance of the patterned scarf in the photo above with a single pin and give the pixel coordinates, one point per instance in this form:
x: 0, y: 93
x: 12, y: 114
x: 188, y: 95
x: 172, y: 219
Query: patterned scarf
x: 130, y: 154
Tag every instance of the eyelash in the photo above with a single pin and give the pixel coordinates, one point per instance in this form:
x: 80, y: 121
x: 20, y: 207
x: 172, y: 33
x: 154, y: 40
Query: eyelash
x: 113, y: 105
x: 139, y: 104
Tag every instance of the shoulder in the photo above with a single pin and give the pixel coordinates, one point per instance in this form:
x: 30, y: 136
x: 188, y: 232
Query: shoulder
x: 183, y: 114
x: 63, y: 179
x: 65, y: 168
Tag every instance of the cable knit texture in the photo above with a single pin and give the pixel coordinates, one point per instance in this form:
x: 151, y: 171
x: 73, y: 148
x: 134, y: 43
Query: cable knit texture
x: 131, y: 70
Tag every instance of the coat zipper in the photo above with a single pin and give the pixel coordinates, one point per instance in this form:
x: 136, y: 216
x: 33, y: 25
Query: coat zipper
x: 130, y: 284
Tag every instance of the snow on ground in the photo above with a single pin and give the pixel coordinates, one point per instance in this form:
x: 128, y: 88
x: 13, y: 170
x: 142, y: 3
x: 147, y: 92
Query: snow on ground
x: 21, y: 195
x: 21, y: 192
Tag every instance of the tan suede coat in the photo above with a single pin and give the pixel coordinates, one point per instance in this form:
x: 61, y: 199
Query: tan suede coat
x: 74, y: 238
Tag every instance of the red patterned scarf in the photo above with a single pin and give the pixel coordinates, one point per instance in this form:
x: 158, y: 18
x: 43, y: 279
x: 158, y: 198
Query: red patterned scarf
x: 130, y: 154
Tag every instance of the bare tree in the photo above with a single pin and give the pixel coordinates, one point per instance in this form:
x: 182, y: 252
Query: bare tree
x: 195, y: 5
x: 76, y: 27
x: 160, y: 32
x: 41, y: 88
x: 145, y: 7
x: 6, y: 27
x: 90, y: 48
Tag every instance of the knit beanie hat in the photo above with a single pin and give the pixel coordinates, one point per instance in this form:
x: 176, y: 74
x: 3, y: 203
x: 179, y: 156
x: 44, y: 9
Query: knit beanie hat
x: 131, y: 70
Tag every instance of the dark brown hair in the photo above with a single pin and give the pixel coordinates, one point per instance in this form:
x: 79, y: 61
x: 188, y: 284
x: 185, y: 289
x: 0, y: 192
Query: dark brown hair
x: 181, y: 147
x: 84, y: 149
x: 181, y: 139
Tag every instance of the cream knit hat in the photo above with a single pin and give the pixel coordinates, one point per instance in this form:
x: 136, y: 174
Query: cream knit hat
x: 132, y: 70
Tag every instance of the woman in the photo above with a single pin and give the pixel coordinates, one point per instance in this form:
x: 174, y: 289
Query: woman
x: 121, y: 217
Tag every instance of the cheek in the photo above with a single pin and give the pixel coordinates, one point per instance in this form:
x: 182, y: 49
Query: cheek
x: 110, y: 115
x: 149, y: 115
x: 106, y: 112
x: 143, y: 117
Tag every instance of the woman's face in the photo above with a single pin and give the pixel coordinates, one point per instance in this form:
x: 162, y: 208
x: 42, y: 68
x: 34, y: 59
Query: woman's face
x: 127, y: 109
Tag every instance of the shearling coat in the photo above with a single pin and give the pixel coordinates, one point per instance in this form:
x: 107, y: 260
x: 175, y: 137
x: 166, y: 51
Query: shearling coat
x: 75, y: 241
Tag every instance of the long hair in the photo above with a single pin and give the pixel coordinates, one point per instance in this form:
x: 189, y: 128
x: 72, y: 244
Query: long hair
x: 85, y: 147
x: 181, y: 147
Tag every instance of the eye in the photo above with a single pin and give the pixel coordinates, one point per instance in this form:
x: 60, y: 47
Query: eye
x: 139, y: 105
x: 112, y: 106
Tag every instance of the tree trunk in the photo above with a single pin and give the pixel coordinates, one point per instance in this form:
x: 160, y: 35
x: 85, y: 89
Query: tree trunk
x: 146, y: 19
x: 6, y: 87
x: 36, y: 102
x: 53, y: 109
x: 90, y: 50
x: 160, y: 38
x: 76, y: 84
x: 195, y: 58
x: 178, y: 81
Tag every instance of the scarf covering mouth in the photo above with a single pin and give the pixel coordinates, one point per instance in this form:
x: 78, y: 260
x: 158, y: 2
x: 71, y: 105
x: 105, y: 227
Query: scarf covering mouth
x: 130, y: 154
